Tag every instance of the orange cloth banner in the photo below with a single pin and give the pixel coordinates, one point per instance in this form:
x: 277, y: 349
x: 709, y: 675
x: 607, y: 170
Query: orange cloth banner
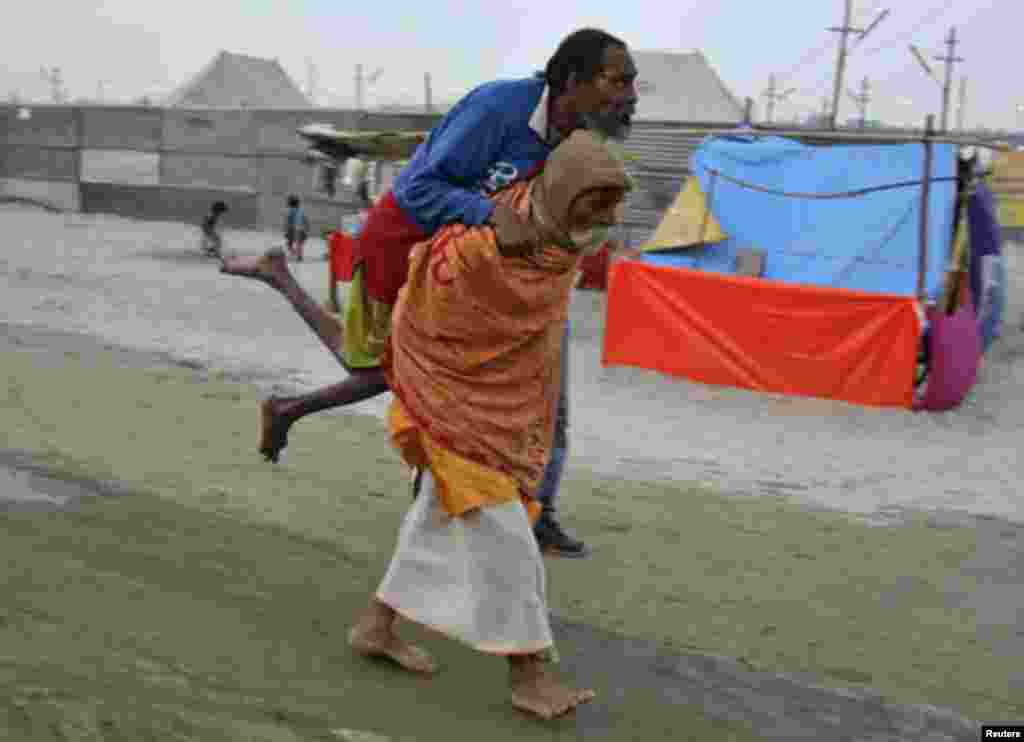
x: 763, y: 335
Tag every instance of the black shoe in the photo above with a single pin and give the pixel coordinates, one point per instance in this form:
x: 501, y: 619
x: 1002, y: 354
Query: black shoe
x: 553, y: 540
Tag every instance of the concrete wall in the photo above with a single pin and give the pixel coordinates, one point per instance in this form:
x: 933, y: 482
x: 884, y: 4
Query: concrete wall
x: 276, y: 175
x: 210, y: 170
x: 181, y: 160
x: 120, y: 166
x: 62, y: 196
x: 121, y: 127
x: 40, y: 163
x: 44, y: 126
x: 166, y: 203
x: 248, y: 132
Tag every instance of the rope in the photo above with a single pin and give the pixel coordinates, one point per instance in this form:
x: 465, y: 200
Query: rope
x: 825, y: 196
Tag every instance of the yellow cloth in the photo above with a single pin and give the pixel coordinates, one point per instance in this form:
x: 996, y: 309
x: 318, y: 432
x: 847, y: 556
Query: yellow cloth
x: 366, y: 324
x: 460, y: 485
x: 687, y: 222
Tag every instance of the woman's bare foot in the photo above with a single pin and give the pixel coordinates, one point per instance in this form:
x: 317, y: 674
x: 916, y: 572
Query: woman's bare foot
x: 537, y: 691
x: 271, y: 267
x: 274, y: 426
x: 373, y: 636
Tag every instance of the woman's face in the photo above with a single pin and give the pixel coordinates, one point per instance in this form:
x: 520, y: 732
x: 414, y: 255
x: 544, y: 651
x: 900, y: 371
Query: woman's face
x: 601, y: 207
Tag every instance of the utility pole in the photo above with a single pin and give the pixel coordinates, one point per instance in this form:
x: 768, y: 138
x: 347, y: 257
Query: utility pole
x: 427, y: 93
x: 770, y: 94
x: 962, y: 110
x: 950, y: 59
x: 358, y: 87
x: 53, y: 78
x: 844, y: 31
x: 362, y: 81
x: 862, y: 101
x: 311, y: 81
x: 774, y: 97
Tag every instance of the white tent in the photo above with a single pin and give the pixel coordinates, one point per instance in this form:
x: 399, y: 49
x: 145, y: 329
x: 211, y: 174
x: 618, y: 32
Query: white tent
x: 677, y: 87
x: 240, y: 81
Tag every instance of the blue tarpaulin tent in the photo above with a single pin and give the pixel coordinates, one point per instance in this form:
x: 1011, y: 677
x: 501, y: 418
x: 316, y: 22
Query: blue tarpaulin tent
x: 866, y: 242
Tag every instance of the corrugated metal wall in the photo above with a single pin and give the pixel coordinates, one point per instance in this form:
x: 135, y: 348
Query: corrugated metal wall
x: 659, y: 161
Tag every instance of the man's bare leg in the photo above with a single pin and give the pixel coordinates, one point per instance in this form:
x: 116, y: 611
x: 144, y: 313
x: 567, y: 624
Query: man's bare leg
x: 278, y: 414
x: 272, y: 269
x: 373, y: 635
x: 537, y: 691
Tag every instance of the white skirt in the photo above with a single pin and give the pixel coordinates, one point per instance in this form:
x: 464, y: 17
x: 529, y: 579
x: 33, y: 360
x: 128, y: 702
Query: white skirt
x: 478, y: 578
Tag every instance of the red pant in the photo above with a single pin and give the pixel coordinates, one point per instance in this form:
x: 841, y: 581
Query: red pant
x: 383, y: 247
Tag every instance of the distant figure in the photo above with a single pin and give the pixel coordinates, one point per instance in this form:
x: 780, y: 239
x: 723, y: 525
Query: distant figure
x: 296, y: 228
x: 211, y: 242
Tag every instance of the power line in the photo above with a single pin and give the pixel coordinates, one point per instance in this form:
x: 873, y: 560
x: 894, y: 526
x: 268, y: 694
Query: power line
x: 930, y: 17
x: 811, y: 56
x: 814, y: 54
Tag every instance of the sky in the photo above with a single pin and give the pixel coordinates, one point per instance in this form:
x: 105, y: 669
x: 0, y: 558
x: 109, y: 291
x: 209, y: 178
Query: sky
x: 120, y: 50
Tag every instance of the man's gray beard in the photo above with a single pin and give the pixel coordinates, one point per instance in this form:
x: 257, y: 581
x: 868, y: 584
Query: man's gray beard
x: 607, y: 125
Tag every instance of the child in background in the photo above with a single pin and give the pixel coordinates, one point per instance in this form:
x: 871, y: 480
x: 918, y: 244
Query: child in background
x: 211, y: 242
x: 296, y: 228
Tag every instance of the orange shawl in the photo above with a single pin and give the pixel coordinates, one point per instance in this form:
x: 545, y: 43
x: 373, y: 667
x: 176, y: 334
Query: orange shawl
x: 473, y: 361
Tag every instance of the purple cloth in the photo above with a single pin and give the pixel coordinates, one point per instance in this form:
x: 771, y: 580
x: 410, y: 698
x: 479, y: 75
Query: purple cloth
x: 955, y: 350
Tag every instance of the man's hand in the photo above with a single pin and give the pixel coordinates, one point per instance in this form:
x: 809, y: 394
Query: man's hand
x: 618, y: 251
x: 516, y: 236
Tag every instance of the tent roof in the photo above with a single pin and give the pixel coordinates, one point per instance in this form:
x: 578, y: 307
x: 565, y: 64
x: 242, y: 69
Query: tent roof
x: 240, y: 81
x: 682, y: 87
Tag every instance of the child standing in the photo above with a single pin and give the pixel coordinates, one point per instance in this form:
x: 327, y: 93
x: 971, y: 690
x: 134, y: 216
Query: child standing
x: 211, y: 242
x: 296, y: 228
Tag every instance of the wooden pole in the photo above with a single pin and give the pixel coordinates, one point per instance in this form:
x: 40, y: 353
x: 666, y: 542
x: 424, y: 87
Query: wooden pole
x: 841, y: 61
x: 866, y: 137
x: 926, y: 183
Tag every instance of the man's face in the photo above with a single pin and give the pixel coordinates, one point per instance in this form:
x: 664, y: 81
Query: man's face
x: 607, y: 103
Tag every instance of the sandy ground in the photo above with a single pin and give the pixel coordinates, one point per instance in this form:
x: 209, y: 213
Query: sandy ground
x: 925, y: 611
x: 144, y: 285
x: 184, y: 592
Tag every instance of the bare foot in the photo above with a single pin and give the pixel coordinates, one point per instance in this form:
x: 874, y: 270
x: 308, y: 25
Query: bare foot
x: 537, y: 691
x: 273, y: 429
x: 270, y: 267
x: 373, y: 637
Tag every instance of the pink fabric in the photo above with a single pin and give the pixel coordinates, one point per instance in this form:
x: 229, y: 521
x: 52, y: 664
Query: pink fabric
x: 955, y: 356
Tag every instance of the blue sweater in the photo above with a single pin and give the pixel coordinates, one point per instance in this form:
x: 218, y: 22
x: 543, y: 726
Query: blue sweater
x: 482, y: 145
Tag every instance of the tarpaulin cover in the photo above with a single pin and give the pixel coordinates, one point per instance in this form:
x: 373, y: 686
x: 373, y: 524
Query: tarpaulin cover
x: 988, y: 271
x: 865, y: 243
x: 763, y: 335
